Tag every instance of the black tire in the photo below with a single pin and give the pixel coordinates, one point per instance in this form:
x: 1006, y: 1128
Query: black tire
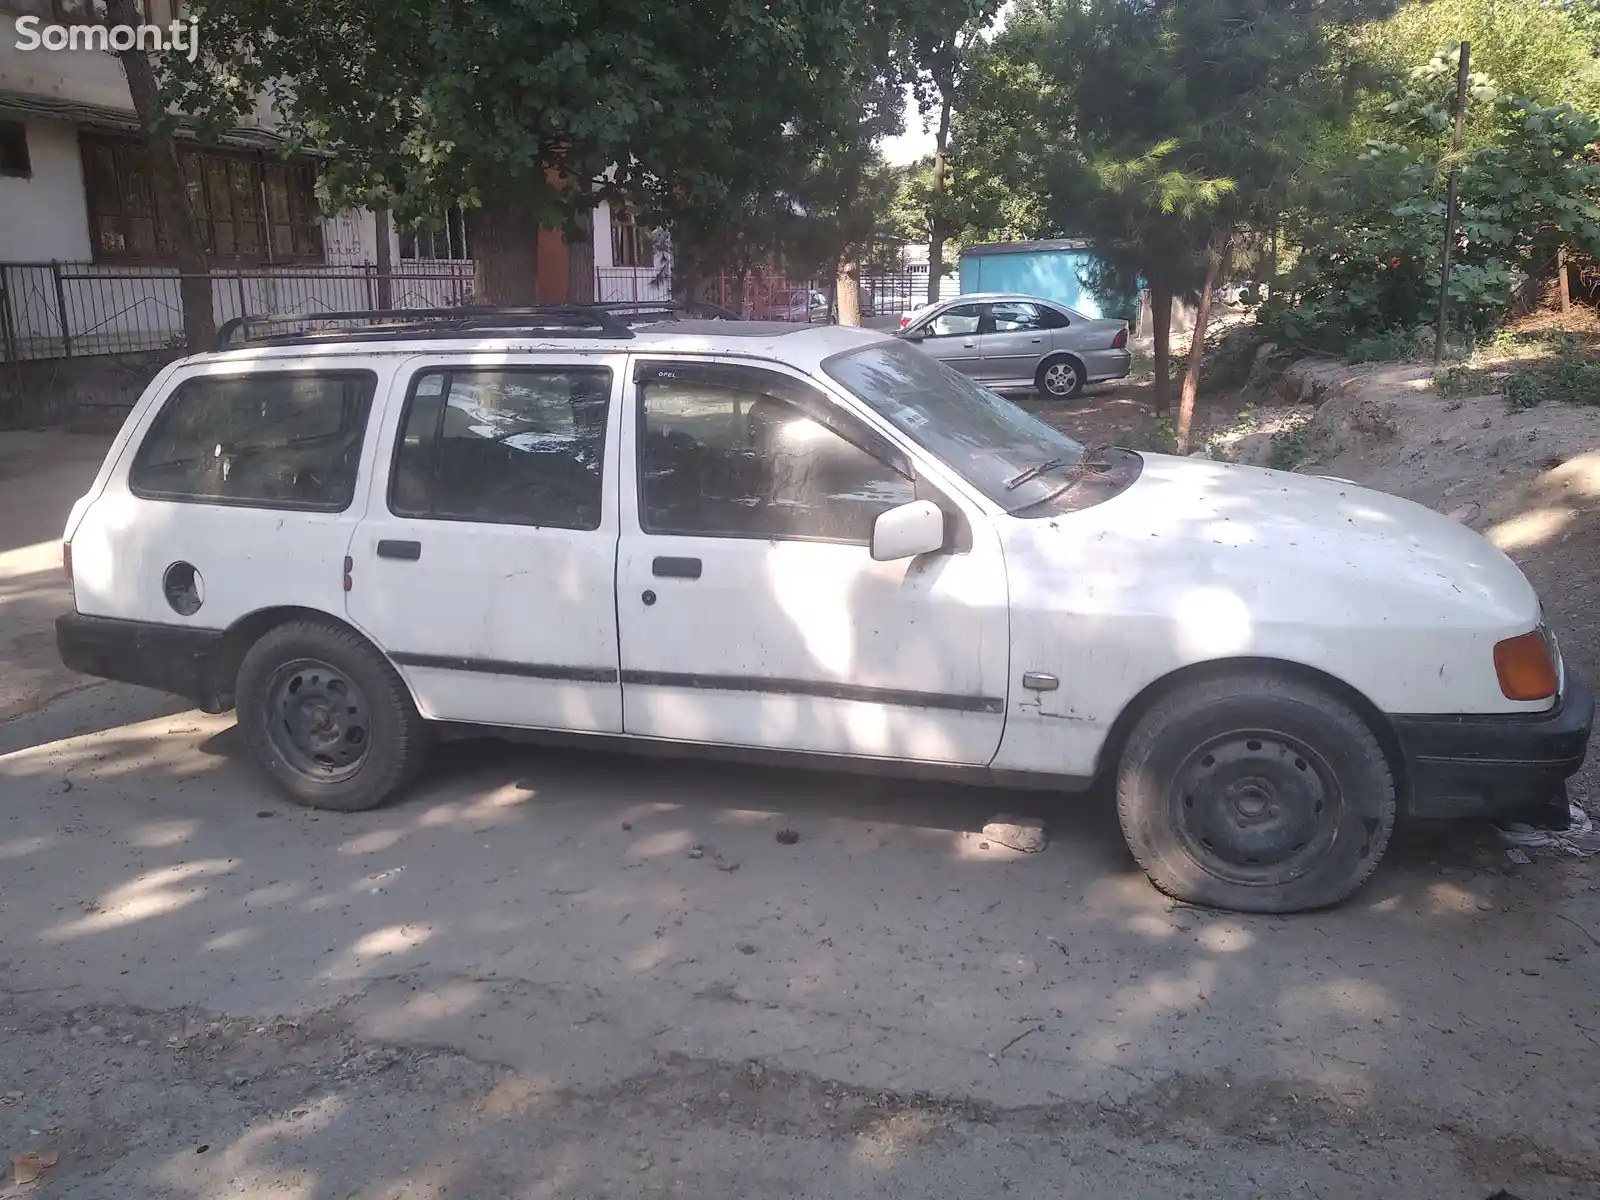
x: 1060, y: 378
x: 1255, y: 793
x: 293, y: 688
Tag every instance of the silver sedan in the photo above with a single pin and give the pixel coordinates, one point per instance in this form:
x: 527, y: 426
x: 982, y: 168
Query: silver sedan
x: 1013, y: 342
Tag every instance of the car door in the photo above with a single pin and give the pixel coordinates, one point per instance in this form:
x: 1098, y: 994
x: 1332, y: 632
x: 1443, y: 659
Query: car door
x: 951, y: 336
x: 485, y: 564
x: 1017, y: 336
x: 750, y: 609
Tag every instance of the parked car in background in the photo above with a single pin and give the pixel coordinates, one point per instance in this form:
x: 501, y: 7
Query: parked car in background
x: 798, y: 304
x: 1014, y: 342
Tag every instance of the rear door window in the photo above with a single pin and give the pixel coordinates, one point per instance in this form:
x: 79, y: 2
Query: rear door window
x: 1017, y: 316
x: 265, y: 440
x: 510, y: 446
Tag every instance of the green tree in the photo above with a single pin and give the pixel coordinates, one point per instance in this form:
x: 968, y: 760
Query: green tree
x: 1541, y: 49
x: 937, y: 45
x: 1156, y: 128
x: 527, y: 112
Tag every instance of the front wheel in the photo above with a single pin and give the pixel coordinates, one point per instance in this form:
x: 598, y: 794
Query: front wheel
x: 328, y: 717
x: 1257, y: 794
x: 1060, y: 379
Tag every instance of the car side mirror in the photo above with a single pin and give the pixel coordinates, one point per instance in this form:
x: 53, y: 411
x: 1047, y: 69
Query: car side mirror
x: 907, y: 531
x: 913, y: 335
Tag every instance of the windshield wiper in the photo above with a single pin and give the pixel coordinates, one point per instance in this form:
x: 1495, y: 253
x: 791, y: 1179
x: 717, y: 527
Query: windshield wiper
x: 1033, y: 472
x: 1092, y: 463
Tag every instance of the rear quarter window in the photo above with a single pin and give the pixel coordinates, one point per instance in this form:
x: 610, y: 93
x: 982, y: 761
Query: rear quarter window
x: 264, y: 440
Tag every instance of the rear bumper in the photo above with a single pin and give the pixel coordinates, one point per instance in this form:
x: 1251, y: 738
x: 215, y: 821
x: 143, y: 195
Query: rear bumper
x: 1494, y: 766
x: 1101, y: 365
x: 169, y: 658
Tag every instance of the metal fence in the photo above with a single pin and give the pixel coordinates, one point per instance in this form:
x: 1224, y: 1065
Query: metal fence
x: 889, y: 295
x: 72, y: 310
x: 769, y: 297
x: 631, y: 285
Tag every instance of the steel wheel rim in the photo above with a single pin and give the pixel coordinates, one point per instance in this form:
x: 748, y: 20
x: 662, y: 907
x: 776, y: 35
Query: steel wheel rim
x: 1060, y: 378
x: 318, y: 720
x: 1256, y: 808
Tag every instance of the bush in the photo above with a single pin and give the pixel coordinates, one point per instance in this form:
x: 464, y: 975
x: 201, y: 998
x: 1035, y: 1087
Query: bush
x: 1392, y: 345
x: 1291, y: 446
x: 1369, y: 263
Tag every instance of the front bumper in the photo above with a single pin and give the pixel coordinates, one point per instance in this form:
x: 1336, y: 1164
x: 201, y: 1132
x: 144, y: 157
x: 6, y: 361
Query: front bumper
x: 1501, y: 765
x: 169, y: 658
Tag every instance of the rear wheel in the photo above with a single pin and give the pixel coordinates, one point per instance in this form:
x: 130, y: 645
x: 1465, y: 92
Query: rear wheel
x: 328, y: 717
x: 1257, y: 794
x: 1060, y: 378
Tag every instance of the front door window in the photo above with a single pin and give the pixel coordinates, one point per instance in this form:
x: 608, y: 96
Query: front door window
x: 724, y: 461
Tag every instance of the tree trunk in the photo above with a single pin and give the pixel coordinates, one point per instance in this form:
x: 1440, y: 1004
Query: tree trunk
x: 1271, y: 288
x: 1197, y: 348
x: 380, y: 228
x: 505, y: 250
x: 849, y: 291
x: 936, y: 223
x: 1161, y: 335
x: 580, y: 261
x: 1562, y: 281
x: 174, y: 215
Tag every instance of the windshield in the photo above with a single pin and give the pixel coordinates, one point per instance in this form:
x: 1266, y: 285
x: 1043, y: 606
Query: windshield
x: 984, y: 437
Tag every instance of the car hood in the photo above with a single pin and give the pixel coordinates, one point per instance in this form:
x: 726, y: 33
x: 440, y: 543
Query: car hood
x: 1199, y: 561
x: 1290, y: 546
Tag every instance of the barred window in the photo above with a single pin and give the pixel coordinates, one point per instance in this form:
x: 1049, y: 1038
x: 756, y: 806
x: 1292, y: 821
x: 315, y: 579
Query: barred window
x: 446, y: 239
x: 630, y: 245
x: 250, y: 207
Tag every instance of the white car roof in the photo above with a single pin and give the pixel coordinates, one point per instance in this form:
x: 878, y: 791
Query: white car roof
x: 989, y: 297
x: 803, y: 346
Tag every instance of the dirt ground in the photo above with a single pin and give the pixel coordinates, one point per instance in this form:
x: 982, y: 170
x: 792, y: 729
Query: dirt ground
x: 571, y: 975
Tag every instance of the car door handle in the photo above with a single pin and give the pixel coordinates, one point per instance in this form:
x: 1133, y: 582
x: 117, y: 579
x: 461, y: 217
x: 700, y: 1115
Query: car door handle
x: 968, y: 345
x: 406, y: 551
x: 676, y: 568
x: 1036, y: 341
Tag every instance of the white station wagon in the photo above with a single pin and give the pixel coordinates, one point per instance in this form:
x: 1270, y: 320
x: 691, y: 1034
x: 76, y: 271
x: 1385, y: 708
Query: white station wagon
x: 803, y: 541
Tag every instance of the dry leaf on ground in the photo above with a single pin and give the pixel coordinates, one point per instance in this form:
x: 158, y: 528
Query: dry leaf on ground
x: 27, y: 1168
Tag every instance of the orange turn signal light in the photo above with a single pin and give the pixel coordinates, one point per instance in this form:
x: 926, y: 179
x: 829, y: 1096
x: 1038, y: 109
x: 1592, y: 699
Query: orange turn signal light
x: 1526, y: 668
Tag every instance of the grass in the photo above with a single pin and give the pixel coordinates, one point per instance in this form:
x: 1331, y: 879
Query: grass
x: 1291, y: 446
x: 1157, y: 436
x: 1529, y: 368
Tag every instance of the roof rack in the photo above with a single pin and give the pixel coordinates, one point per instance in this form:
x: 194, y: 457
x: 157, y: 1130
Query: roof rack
x: 546, y: 320
x: 670, y: 309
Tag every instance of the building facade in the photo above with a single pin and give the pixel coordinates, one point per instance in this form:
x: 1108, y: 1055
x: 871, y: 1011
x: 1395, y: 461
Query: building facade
x: 86, y: 268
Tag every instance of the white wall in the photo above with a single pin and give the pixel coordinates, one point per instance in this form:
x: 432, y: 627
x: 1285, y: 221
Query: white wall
x: 616, y: 283
x: 601, y: 225
x: 86, y: 76
x: 46, y: 217
x: 351, y: 236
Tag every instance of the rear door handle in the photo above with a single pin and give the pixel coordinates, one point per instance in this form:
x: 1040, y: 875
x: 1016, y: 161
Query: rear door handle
x: 407, y: 551
x: 676, y: 568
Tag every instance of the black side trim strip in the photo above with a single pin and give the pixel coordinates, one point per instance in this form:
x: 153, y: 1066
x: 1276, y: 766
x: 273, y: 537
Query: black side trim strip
x: 817, y: 687
x: 490, y: 666
x: 720, y: 683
